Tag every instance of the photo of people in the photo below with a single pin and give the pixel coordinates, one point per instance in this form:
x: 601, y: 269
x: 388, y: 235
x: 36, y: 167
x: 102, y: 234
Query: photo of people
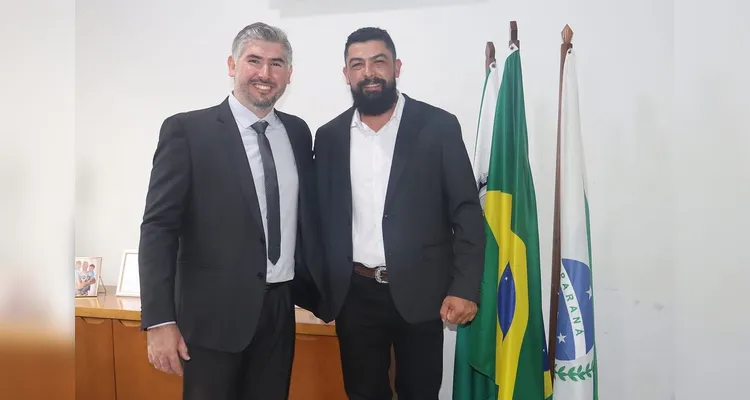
x: 87, y: 276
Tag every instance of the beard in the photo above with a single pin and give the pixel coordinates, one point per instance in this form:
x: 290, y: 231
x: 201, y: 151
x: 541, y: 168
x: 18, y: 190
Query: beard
x: 261, y: 101
x: 264, y: 103
x: 374, y: 103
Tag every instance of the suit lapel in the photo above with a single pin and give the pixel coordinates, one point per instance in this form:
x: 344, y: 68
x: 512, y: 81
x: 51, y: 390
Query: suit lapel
x: 342, y: 166
x: 298, y: 148
x: 406, y: 139
x: 237, y: 157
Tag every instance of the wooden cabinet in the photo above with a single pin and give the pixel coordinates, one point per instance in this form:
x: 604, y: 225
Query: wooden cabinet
x: 112, y: 363
x: 316, y: 372
x: 95, y: 364
x: 136, y: 378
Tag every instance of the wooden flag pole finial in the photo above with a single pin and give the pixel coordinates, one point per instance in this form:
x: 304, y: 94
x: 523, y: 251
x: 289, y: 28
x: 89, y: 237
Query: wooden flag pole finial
x: 489, y: 55
x: 567, y: 36
x: 514, y: 35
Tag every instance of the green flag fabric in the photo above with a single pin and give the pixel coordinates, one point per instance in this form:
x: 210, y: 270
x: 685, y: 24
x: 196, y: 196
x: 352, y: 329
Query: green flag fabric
x: 468, y: 383
x: 504, y: 349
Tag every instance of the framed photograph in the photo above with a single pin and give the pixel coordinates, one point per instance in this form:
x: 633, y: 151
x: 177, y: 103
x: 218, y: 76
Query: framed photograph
x: 129, y: 283
x: 87, y: 276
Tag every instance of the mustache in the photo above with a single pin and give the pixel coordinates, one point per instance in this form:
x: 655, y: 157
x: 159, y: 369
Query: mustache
x: 261, y: 80
x: 370, y: 81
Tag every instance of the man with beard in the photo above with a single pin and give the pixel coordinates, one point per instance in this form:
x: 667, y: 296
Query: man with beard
x: 229, y: 233
x: 403, y: 229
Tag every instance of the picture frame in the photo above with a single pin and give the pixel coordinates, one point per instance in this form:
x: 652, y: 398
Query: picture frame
x: 87, y: 276
x: 128, y: 283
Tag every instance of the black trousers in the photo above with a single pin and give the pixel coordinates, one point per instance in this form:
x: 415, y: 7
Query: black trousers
x: 367, y: 327
x: 260, y: 372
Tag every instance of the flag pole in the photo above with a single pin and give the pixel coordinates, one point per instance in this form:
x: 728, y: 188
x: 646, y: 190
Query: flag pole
x: 567, y: 37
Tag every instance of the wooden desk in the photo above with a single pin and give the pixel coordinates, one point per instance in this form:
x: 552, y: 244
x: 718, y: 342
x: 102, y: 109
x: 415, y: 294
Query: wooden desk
x: 112, y: 363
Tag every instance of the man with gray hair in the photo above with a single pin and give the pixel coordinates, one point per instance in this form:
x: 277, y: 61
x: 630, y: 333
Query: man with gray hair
x: 229, y: 235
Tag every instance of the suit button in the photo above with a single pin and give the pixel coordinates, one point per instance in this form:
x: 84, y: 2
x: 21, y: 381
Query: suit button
x: 385, y: 216
x: 263, y: 241
x: 349, y: 258
x: 260, y: 275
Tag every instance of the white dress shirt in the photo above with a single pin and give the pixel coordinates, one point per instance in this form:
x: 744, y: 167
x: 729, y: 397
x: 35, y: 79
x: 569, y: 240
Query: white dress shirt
x: 371, y: 157
x: 286, y: 173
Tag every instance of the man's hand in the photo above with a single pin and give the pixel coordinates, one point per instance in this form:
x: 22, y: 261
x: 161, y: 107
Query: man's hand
x: 165, y: 347
x: 457, y: 310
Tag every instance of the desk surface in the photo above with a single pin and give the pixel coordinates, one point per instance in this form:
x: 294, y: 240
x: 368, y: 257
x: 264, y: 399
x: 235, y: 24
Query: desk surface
x: 129, y: 308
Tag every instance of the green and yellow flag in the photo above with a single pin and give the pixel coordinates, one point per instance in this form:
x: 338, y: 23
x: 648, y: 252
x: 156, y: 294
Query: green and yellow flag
x: 502, y: 354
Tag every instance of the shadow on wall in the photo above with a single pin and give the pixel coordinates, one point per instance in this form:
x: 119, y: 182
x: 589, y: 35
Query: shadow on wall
x: 307, y: 8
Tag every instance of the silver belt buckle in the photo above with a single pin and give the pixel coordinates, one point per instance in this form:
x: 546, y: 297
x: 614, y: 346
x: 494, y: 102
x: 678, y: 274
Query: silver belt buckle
x: 379, y: 275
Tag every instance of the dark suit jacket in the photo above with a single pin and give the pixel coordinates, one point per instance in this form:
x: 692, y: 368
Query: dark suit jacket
x: 202, y: 251
x: 433, y: 228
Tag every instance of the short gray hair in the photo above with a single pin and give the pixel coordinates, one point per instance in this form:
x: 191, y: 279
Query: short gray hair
x: 264, y: 32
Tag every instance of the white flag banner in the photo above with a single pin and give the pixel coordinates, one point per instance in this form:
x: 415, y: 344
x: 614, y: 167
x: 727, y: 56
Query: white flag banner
x: 575, y: 371
x: 485, y: 129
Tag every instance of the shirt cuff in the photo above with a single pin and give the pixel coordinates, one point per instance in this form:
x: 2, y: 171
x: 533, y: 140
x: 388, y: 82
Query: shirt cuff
x: 162, y: 324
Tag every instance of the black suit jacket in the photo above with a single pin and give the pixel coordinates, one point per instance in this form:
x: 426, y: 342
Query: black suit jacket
x: 433, y: 228
x: 202, y: 251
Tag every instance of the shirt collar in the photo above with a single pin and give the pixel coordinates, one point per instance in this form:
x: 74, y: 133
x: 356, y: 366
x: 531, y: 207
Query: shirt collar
x: 245, y: 118
x: 357, y: 121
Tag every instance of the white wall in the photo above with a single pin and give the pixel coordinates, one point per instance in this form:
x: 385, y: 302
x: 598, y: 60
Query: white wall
x: 711, y: 217
x: 138, y: 62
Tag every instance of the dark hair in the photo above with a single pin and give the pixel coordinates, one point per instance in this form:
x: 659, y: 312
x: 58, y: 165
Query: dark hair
x: 367, y: 34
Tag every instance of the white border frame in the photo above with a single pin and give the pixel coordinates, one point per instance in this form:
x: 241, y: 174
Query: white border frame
x: 120, y: 292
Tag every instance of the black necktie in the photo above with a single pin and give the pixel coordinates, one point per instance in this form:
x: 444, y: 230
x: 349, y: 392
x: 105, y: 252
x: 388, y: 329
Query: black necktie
x: 272, y: 192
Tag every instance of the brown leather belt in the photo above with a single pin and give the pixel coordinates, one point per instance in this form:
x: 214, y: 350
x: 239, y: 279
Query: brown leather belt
x: 378, y: 273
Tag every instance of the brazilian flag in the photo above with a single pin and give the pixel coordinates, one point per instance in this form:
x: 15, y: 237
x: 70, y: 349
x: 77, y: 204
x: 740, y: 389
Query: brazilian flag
x: 502, y: 354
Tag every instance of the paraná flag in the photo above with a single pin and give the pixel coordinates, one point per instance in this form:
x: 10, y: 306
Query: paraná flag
x: 575, y: 352
x: 502, y: 354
